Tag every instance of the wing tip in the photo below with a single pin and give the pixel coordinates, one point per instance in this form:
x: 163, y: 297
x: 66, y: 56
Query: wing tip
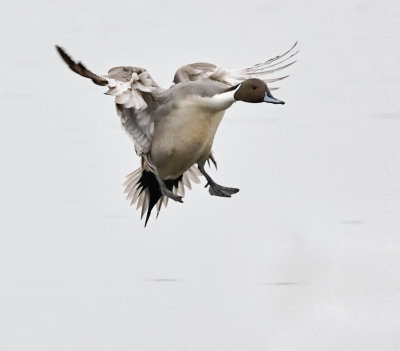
x: 79, y: 68
x: 66, y: 58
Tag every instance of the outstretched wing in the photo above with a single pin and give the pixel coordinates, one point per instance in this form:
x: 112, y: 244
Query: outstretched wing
x: 133, y: 89
x: 232, y: 77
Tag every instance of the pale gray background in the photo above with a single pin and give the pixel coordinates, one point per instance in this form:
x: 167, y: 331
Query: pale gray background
x: 305, y: 257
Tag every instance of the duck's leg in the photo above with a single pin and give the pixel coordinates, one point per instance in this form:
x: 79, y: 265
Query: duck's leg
x: 164, y: 190
x: 216, y: 189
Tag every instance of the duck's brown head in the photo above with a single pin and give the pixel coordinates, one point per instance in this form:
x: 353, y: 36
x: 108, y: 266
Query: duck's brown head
x: 255, y: 90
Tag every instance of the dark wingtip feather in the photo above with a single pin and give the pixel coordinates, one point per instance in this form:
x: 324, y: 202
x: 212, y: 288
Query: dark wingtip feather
x: 79, y: 68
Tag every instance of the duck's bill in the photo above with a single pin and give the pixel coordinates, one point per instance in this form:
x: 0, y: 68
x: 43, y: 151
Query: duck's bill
x: 269, y: 98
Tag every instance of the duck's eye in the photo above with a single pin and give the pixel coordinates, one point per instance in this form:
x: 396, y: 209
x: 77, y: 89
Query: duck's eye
x: 254, y: 88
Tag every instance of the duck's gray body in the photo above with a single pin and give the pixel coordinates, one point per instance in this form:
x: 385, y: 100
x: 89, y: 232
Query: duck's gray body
x: 185, y: 126
x: 174, y: 153
x: 173, y: 129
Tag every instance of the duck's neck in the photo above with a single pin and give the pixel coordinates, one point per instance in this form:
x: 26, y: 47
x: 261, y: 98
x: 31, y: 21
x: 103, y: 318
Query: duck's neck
x: 222, y: 101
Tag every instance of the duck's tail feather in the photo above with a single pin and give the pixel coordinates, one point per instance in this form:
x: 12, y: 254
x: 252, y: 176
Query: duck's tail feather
x: 141, y: 186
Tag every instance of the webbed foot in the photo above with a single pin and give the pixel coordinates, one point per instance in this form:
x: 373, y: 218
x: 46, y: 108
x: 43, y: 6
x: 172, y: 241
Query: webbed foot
x: 219, y: 190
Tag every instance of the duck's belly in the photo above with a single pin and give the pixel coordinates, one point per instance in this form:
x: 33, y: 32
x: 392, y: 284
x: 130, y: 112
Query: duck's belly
x: 182, y: 139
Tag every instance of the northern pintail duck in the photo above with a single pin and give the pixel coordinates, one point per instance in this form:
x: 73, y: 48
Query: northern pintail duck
x: 173, y: 129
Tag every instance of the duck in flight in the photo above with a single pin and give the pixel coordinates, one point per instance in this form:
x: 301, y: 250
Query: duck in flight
x: 173, y: 129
